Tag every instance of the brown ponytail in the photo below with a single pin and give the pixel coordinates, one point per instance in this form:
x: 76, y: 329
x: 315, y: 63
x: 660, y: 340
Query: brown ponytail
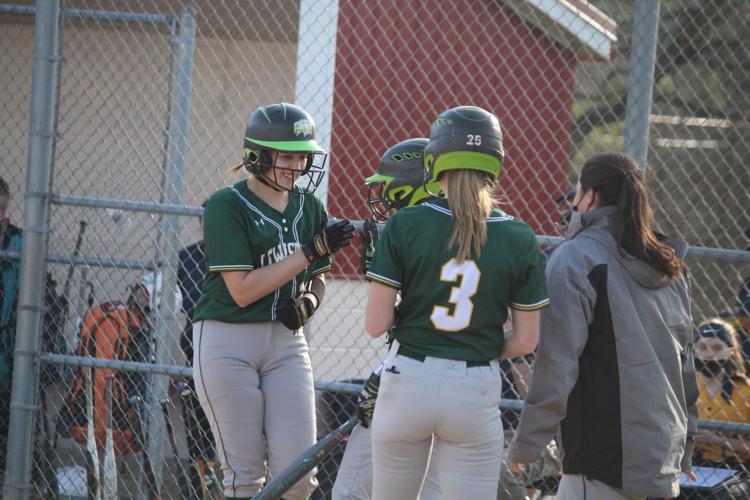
x: 234, y: 170
x: 619, y: 182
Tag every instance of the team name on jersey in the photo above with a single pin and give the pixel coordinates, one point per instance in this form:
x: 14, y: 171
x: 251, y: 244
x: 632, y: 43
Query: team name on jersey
x: 278, y: 253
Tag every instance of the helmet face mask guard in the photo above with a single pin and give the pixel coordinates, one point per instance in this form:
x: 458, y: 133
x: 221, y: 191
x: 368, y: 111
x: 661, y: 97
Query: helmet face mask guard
x: 263, y: 166
x: 380, y: 207
x: 399, y: 180
x: 280, y: 129
x: 464, y: 138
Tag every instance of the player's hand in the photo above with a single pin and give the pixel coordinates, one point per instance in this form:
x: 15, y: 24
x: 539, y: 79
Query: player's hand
x: 329, y: 240
x: 369, y: 237
x: 366, y: 401
x: 294, y: 313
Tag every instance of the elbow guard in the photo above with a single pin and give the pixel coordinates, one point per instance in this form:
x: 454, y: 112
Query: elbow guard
x: 316, y: 291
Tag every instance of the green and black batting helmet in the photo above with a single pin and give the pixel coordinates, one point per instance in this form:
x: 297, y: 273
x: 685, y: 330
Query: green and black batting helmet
x: 399, y: 180
x: 282, y: 127
x: 465, y: 137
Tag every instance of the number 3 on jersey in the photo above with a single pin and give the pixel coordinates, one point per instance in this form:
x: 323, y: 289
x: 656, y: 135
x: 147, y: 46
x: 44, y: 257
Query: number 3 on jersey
x: 467, y: 274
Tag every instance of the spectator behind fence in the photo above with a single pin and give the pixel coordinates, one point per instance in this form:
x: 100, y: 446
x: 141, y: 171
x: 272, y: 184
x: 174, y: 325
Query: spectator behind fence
x: 10, y: 239
x: 614, y: 368
x: 200, y: 440
x: 724, y: 395
x: 190, y: 274
x: 560, y: 219
x: 744, y: 295
x: 741, y: 319
x: 564, y: 209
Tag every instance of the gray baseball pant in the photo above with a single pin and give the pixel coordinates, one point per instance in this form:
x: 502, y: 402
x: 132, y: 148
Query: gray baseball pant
x: 255, y: 383
x: 354, y: 477
x: 455, y: 403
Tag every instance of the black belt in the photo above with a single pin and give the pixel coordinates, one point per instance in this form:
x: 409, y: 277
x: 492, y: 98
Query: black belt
x: 405, y: 351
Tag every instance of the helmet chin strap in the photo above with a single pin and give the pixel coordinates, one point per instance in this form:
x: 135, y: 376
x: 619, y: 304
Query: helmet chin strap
x: 262, y: 179
x: 426, y: 185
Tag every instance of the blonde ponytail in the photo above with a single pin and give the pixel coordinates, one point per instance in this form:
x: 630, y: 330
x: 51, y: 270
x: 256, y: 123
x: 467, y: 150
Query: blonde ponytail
x: 471, y: 200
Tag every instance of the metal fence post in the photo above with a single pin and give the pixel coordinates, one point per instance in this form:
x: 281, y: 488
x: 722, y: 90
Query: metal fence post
x: 316, y: 71
x: 35, y: 226
x: 641, y: 79
x: 167, y: 326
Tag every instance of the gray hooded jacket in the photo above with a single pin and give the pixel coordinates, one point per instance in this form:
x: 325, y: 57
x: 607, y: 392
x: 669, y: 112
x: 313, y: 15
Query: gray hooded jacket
x: 614, y: 372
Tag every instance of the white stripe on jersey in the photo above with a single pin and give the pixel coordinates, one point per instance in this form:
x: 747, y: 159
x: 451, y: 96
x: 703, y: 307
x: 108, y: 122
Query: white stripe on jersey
x: 535, y: 305
x: 295, y: 233
x: 447, y: 211
x: 380, y: 277
x: 439, y: 209
x: 232, y: 267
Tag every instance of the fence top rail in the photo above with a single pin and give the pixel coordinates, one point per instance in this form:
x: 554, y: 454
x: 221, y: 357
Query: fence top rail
x: 320, y: 385
x: 101, y: 15
x: 696, y: 252
x: 80, y: 260
x: 134, y: 206
x: 703, y: 253
x: 133, y: 366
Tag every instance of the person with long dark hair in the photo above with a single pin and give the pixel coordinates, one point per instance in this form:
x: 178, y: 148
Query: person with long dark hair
x: 614, y: 369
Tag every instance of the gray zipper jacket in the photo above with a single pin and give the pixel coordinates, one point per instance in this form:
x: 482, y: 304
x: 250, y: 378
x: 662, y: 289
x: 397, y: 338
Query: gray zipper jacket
x: 614, y: 374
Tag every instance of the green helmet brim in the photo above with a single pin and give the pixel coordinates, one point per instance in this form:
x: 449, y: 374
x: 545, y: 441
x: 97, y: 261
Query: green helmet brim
x: 309, y: 146
x: 431, y: 190
x: 377, y: 178
x: 468, y: 160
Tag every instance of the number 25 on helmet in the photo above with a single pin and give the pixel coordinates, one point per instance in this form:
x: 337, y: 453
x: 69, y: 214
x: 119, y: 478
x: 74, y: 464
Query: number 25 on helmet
x: 465, y: 138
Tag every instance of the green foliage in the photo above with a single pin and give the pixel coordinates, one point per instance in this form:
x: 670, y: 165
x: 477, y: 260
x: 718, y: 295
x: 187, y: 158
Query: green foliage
x: 605, y: 137
x: 702, y: 69
x: 579, y: 108
x: 665, y: 85
x: 699, y: 87
x: 617, y: 86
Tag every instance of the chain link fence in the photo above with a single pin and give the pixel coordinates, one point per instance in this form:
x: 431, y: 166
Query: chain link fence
x: 150, y: 102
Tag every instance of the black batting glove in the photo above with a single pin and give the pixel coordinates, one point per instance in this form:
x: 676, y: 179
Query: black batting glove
x: 366, y: 400
x: 329, y: 240
x: 294, y: 313
x: 369, y: 237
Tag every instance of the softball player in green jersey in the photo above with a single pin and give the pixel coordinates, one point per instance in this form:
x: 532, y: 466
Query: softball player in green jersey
x: 398, y: 183
x: 459, y: 263
x: 267, y: 249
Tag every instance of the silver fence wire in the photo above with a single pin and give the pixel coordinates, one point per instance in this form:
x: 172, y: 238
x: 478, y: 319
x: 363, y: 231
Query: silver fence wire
x: 150, y: 100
